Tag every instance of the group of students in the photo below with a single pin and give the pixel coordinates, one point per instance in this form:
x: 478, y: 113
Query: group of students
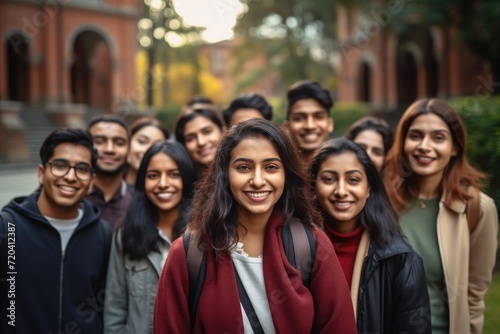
x: 397, y: 234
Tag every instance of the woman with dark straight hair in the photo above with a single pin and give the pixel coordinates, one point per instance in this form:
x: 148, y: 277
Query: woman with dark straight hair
x: 387, y: 278
x: 144, y: 132
x: 156, y: 217
x: 254, y: 189
x: 448, y: 221
x: 374, y: 135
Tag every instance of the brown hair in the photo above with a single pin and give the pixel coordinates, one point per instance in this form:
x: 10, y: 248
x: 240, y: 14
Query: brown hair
x: 400, y: 180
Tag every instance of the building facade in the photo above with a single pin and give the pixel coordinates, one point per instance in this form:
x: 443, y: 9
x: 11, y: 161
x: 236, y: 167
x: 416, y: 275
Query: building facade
x: 58, y: 58
x: 389, y: 70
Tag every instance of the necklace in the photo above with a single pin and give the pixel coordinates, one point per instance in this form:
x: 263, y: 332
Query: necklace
x: 422, y: 204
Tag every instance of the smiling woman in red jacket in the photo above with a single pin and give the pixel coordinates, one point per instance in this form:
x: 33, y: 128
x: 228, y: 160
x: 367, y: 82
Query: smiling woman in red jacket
x: 255, y: 186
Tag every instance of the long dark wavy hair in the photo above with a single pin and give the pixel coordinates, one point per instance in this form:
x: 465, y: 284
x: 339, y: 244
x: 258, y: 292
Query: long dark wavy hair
x: 214, y: 213
x: 139, y: 230
x: 378, y: 216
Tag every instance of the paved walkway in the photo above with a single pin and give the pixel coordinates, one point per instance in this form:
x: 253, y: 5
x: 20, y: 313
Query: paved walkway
x: 15, y: 183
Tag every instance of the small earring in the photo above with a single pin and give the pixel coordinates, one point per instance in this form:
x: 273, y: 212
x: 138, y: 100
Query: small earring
x: 368, y: 195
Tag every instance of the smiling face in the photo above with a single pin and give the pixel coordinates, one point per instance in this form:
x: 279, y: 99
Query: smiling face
x: 140, y: 142
x: 60, y: 197
x: 428, y: 146
x: 163, y: 184
x: 112, y: 144
x: 373, y: 143
x: 256, y: 178
x: 309, y: 124
x: 201, y: 137
x: 342, y: 189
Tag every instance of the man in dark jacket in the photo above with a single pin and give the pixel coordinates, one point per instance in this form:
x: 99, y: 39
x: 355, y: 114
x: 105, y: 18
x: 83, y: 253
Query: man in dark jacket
x: 56, y: 268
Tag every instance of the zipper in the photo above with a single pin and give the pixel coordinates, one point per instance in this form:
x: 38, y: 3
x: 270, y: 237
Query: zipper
x: 61, y: 292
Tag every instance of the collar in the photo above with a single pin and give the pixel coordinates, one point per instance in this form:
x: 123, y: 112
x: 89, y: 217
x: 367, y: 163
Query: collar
x: 122, y: 192
x: 455, y: 205
x: 123, y: 188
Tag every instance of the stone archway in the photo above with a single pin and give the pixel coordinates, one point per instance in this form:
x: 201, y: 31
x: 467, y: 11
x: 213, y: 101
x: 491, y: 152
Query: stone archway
x: 409, y: 60
x: 18, y: 67
x: 364, y: 83
x: 91, y: 71
x: 431, y: 67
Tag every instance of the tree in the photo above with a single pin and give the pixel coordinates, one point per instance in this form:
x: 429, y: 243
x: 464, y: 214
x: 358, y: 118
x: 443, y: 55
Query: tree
x: 159, y: 27
x: 297, y: 36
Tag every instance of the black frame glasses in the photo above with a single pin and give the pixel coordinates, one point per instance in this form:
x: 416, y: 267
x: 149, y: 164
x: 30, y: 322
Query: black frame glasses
x: 60, y: 168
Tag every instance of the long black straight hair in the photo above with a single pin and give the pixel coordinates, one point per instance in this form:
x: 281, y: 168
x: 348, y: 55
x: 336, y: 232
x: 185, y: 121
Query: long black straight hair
x: 139, y: 229
x: 378, y: 216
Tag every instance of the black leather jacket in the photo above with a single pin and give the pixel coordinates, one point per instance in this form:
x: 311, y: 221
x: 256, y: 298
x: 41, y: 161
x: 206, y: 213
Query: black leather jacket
x: 393, y: 295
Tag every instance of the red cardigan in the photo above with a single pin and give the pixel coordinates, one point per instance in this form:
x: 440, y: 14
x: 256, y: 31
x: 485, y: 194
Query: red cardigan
x: 324, y: 308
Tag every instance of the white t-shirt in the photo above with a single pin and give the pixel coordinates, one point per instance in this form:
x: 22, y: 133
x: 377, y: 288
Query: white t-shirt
x: 65, y: 227
x: 251, y: 274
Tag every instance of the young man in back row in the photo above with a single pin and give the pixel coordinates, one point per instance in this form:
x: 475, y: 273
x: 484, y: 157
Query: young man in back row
x: 56, y: 244
x: 308, y: 118
x: 110, y: 192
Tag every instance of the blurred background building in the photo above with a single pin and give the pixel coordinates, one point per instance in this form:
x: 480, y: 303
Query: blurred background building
x: 61, y: 62
x: 389, y: 69
x: 64, y: 61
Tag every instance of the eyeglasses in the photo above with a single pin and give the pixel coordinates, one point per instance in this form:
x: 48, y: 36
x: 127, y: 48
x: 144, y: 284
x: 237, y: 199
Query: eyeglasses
x: 59, y: 168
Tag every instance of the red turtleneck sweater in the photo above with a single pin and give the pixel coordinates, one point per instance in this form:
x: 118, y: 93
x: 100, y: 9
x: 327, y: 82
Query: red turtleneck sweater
x: 346, y: 247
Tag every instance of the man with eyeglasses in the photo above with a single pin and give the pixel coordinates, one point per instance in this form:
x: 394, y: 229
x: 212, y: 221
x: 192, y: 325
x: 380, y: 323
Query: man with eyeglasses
x: 110, y: 192
x: 54, y: 246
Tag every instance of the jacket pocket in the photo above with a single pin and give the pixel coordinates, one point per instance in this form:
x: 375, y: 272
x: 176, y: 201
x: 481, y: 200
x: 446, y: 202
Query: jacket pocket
x: 137, y: 277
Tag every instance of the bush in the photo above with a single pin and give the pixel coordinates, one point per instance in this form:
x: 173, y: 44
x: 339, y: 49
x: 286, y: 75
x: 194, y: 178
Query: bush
x: 167, y: 116
x: 481, y: 117
x: 346, y: 113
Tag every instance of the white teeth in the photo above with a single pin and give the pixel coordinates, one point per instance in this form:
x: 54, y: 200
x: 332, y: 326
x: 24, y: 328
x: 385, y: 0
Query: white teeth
x: 342, y: 203
x: 423, y: 159
x: 65, y: 188
x: 311, y: 137
x: 165, y: 195
x: 258, y: 195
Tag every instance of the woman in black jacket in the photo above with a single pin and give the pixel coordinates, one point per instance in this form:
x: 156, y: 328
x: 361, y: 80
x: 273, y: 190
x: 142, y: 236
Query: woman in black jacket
x: 386, y: 277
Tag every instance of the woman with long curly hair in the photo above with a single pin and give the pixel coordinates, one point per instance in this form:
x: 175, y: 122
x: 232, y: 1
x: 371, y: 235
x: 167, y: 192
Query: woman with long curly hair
x: 255, y: 187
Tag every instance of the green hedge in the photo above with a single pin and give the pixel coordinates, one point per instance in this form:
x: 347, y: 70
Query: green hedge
x: 481, y: 116
x: 346, y: 113
x: 167, y: 115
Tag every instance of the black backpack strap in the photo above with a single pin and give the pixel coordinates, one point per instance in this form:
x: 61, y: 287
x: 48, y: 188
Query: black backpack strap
x: 6, y: 219
x: 300, y: 248
x: 247, y: 305
x: 197, y: 267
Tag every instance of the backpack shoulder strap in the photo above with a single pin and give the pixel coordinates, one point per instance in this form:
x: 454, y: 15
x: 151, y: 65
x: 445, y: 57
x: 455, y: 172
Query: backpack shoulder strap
x: 300, y: 247
x: 6, y: 219
x: 197, y: 266
x: 473, y: 208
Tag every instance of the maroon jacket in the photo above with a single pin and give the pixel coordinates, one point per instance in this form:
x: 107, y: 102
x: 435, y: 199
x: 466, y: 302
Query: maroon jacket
x: 325, y: 307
